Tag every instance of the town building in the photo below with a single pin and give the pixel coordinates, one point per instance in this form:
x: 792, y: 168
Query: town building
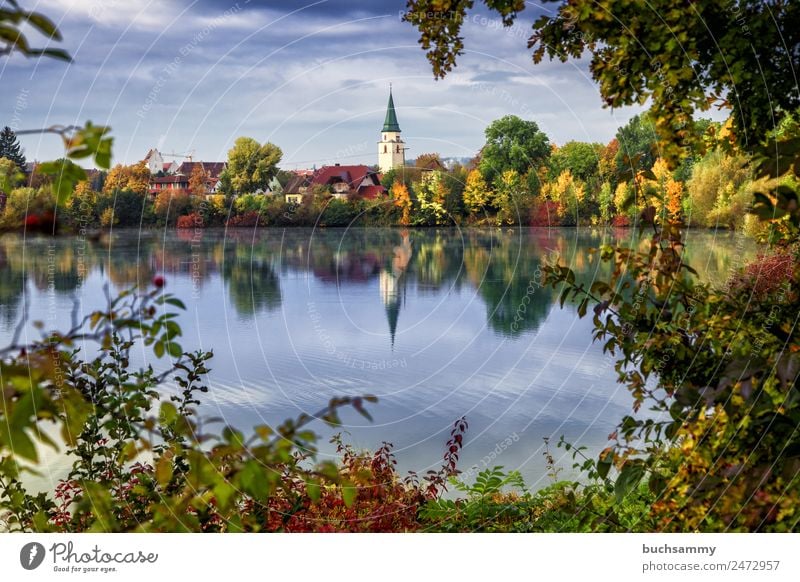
x: 179, y: 177
x: 391, y: 148
x: 339, y: 181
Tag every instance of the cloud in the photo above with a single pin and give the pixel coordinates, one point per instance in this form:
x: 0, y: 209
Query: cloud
x: 311, y: 77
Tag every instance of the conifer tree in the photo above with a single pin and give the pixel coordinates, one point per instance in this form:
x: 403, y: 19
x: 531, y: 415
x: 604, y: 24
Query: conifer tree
x: 10, y: 148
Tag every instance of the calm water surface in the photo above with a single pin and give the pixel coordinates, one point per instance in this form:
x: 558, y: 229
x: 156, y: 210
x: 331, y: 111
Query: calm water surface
x: 436, y: 323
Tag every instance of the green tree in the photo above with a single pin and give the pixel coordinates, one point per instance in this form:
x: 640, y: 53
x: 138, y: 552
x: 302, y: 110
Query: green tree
x: 515, y: 144
x: 579, y: 157
x: 251, y: 165
x: 9, y: 175
x: 10, y: 148
x: 638, y: 145
x: 606, y: 203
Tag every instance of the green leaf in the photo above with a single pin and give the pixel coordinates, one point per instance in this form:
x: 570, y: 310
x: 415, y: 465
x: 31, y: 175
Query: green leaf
x: 174, y: 349
x: 349, y: 493
x: 44, y: 25
x: 163, y: 471
x: 224, y: 493
x: 65, y: 175
x: 253, y: 480
x: 168, y: 413
x: 604, y: 464
x: 158, y: 349
x: 314, y: 491
x: 629, y: 477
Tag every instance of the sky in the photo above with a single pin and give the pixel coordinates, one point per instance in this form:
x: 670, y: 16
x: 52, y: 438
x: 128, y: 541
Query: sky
x: 312, y: 77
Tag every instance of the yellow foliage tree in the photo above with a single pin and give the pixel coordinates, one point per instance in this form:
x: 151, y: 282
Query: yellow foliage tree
x: 402, y: 200
x: 568, y: 192
x: 674, y: 205
x: 476, y: 193
x: 135, y: 178
x: 664, y: 193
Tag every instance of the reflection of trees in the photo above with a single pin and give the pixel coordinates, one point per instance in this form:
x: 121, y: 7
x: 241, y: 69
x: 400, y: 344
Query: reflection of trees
x: 498, y: 264
x: 504, y: 267
x: 252, y: 282
x: 12, y: 283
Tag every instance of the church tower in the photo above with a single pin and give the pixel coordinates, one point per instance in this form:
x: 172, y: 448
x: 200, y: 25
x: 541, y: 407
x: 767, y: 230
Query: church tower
x: 391, y: 148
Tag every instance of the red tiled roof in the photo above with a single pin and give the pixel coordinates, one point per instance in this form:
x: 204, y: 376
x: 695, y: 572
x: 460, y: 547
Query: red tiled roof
x: 353, y: 176
x: 213, y: 169
x: 170, y: 179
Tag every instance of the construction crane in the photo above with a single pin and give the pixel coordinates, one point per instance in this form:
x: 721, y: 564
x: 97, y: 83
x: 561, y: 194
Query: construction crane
x: 188, y: 155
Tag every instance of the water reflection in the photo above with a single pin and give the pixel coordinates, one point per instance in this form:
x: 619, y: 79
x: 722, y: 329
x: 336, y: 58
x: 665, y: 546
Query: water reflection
x: 437, y: 323
x: 503, y: 266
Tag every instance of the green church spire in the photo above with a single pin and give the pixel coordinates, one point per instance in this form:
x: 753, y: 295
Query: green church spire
x: 390, y: 123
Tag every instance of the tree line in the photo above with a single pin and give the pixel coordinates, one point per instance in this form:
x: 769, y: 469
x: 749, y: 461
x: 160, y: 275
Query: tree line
x: 519, y: 177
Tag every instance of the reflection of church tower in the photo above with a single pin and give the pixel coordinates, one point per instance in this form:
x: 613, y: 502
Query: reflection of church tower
x: 393, y: 283
x: 391, y: 296
x: 391, y: 148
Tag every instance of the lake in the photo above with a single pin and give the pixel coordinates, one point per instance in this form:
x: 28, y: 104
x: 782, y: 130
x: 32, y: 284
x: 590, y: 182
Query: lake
x: 436, y: 323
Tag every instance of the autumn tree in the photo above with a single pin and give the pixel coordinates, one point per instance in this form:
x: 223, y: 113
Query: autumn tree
x: 430, y: 200
x: 607, y: 162
x: 402, y: 200
x: 135, y: 178
x: 663, y: 192
x: 476, y: 193
x: 172, y: 203
x: 9, y: 175
x: 431, y: 161
x: 507, y: 193
x: 569, y: 193
x: 197, y: 181
x: 718, y: 183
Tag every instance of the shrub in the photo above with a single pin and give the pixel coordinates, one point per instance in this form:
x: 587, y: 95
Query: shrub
x: 720, y: 369
x: 142, y: 462
x: 191, y: 220
x: 28, y: 207
x: 108, y: 218
x: 170, y: 204
x: 338, y: 213
x: 248, y: 219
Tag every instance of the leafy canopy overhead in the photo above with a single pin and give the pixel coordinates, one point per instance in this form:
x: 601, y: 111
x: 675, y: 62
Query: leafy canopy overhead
x: 683, y: 57
x: 13, y: 19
